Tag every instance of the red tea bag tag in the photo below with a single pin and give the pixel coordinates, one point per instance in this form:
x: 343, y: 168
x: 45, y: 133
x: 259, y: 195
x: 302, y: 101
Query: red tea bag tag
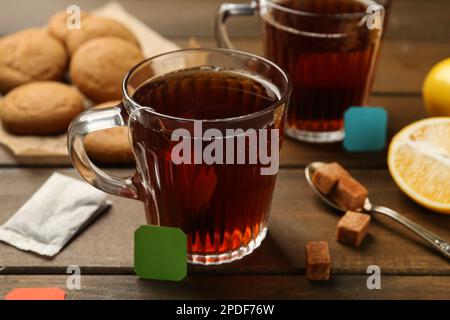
x: 36, y: 294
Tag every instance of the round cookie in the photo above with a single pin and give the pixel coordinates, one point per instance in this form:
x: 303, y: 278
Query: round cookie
x: 30, y: 55
x: 100, y: 65
x: 110, y: 146
x: 95, y: 27
x: 57, y: 24
x: 44, y: 107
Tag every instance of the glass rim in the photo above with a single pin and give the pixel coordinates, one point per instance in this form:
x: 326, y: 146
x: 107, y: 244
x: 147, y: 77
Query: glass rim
x: 337, y: 16
x: 283, y: 97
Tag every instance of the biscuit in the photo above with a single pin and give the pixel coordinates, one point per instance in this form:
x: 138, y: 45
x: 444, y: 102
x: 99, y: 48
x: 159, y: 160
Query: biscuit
x: 95, y: 27
x: 100, y: 65
x: 30, y: 55
x: 109, y: 146
x: 57, y: 24
x: 44, y: 107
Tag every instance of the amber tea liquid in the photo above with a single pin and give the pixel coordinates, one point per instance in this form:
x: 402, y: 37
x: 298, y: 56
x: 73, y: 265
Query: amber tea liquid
x: 221, y: 207
x: 330, y: 59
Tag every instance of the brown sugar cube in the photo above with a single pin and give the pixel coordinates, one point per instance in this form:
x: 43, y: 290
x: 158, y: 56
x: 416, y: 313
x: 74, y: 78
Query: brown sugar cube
x: 349, y: 194
x: 327, y: 176
x: 318, y: 261
x: 352, y: 228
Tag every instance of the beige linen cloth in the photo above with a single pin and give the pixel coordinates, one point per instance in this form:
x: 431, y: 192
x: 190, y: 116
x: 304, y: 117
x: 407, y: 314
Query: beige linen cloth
x: 152, y: 44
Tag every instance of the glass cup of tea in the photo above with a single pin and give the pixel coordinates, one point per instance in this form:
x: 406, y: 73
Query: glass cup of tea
x: 328, y: 47
x: 205, y: 126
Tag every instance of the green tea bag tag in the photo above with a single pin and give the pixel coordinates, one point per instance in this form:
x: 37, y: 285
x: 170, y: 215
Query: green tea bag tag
x: 160, y: 253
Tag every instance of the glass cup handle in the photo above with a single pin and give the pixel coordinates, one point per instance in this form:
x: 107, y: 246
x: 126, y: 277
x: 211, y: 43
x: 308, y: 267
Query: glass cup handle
x: 90, y: 121
x: 225, y: 11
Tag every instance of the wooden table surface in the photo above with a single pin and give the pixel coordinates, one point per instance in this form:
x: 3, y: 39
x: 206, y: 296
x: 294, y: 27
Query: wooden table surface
x: 418, y: 37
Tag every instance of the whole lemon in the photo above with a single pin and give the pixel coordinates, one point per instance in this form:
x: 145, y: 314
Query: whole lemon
x: 436, y: 89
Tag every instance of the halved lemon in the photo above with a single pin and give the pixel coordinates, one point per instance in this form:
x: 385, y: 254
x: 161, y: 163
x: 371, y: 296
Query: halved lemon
x: 419, y: 162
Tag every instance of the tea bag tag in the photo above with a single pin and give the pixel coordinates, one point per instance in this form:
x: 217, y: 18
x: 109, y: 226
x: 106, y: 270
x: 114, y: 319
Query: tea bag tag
x: 36, y: 294
x: 365, y: 129
x: 160, y: 253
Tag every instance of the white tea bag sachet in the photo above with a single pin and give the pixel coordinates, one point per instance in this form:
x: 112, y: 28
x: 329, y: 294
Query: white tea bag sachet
x: 53, y: 215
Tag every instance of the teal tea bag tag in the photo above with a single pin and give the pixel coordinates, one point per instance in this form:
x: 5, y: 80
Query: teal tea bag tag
x: 365, y: 129
x: 160, y: 253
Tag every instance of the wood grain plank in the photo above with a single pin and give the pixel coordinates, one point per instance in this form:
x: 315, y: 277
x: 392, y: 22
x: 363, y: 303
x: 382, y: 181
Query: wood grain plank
x: 402, y: 110
x: 411, y: 19
x: 297, y: 217
x: 402, y: 68
x: 239, y: 287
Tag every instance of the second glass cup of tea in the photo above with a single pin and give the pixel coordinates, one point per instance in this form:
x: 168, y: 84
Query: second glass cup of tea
x: 206, y: 126
x: 328, y: 47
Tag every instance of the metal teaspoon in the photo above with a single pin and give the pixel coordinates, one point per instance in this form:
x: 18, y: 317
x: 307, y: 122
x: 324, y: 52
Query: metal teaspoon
x: 438, y: 243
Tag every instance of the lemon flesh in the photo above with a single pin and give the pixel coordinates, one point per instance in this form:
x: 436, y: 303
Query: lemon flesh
x: 419, y: 162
